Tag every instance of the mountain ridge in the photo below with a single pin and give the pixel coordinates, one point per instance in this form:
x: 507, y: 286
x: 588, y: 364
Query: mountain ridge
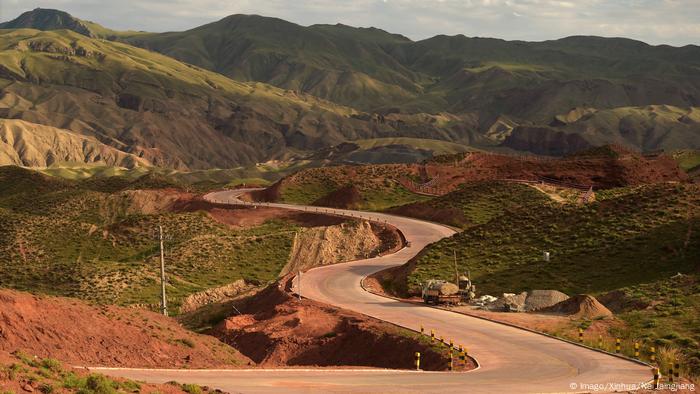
x: 249, y: 88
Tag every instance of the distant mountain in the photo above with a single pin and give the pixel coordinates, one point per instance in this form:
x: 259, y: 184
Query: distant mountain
x: 49, y: 19
x: 168, y: 113
x: 347, y: 65
x: 301, y: 89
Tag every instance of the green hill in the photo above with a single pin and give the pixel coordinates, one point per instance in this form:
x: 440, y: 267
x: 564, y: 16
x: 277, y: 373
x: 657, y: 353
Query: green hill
x: 629, y: 236
x: 90, y: 239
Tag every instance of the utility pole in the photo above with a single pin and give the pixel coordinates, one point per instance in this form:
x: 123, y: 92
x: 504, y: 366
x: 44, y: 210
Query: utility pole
x: 299, y: 284
x: 454, y: 252
x: 163, y: 301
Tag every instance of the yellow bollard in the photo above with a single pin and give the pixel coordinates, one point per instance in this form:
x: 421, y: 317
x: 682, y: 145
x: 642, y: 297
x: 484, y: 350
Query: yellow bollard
x: 432, y: 336
x: 670, y: 374
x: 417, y: 361
x: 442, y: 340
x: 636, y: 350
x: 600, y: 341
x: 617, y: 346
x: 580, y: 335
x: 677, y: 371
x: 451, y: 345
x: 652, y: 356
x: 462, y: 358
x: 656, y: 378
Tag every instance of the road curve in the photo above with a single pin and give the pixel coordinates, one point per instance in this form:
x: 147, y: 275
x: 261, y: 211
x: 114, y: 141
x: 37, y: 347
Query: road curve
x: 512, y: 360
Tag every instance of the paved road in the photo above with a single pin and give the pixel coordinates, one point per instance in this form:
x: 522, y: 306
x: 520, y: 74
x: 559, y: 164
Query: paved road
x: 511, y: 360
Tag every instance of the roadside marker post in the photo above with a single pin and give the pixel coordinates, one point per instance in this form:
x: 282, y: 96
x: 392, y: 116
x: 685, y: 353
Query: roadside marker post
x: 636, y: 350
x: 417, y: 355
x: 442, y: 340
x: 600, y: 341
x: 462, y: 358
x: 422, y: 330
x: 617, y: 346
x: 432, y: 336
x: 580, y: 335
x: 656, y: 378
x: 677, y: 371
x: 670, y: 374
x: 652, y: 357
x: 451, y: 345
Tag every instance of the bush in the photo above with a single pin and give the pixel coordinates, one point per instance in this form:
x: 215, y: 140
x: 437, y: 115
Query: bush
x: 100, y: 384
x: 51, y: 364
x: 192, y: 388
x: 186, y: 341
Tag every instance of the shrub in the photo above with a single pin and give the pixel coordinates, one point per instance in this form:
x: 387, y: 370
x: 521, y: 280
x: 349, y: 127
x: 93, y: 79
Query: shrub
x: 51, y: 364
x: 186, y: 341
x: 100, y: 384
x: 192, y: 388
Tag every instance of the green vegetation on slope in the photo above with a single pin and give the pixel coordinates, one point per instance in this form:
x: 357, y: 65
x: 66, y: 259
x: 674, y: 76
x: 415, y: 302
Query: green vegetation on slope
x: 80, y: 239
x: 668, y: 316
x: 688, y: 160
x: 437, y: 147
x: 629, y: 237
x: 475, y: 203
x: 49, y: 375
x: 378, y: 185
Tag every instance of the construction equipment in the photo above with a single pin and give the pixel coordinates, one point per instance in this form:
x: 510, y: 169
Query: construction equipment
x: 467, y: 290
x: 441, y: 292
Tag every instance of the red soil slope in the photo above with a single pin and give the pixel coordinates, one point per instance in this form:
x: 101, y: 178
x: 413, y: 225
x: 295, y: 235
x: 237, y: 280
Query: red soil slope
x: 77, y: 333
x: 278, y: 329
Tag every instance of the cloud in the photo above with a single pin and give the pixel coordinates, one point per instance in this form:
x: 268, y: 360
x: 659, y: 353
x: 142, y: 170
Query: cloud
x: 675, y: 22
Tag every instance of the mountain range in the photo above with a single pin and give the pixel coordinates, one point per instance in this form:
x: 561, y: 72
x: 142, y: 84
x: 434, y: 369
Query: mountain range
x: 248, y: 88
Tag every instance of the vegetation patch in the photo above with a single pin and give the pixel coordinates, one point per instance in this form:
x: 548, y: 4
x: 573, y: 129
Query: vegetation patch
x: 76, y: 238
x: 629, y: 236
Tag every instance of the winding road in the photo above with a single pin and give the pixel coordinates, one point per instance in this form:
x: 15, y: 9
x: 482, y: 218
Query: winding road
x: 511, y: 360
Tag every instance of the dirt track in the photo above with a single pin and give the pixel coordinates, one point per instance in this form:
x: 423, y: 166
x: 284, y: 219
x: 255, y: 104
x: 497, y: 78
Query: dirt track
x: 512, y: 360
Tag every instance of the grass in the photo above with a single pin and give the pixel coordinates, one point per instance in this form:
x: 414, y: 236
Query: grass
x: 79, y: 239
x: 688, y: 160
x: 629, y: 236
x: 199, y: 180
x: 670, y: 319
x: 436, y: 146
x: 378, y: 185
x: 49, y: 376
x: 475, y: 203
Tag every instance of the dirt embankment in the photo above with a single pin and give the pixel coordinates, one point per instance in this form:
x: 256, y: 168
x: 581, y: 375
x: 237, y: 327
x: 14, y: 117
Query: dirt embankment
x: 318, y: 246
x: 276, y: 329
x: 599, y: 171
x: 77, y: 333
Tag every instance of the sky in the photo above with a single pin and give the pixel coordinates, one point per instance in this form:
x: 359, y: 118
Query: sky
x: 674, y: 22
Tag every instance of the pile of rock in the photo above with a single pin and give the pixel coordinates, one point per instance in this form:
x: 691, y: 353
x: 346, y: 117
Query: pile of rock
x: 525, y: 301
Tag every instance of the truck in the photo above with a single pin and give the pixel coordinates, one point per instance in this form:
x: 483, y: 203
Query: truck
x: 440, y: 292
